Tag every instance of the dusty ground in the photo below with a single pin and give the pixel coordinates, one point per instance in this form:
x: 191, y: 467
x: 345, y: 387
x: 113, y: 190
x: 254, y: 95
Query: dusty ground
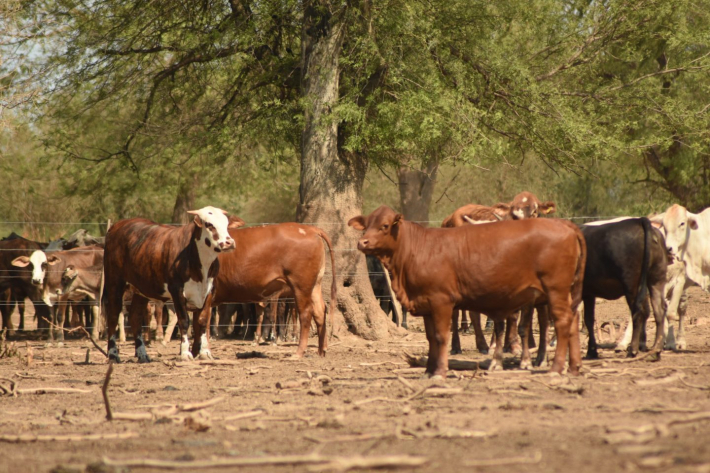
x: 626, y: 417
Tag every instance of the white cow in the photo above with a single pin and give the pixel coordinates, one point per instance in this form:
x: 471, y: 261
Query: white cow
x: 688, y: 241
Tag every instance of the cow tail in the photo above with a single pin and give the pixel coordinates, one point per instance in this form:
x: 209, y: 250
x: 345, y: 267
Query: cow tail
x: 578, y: 284
x: 642, y: 292
x: 334, y: 283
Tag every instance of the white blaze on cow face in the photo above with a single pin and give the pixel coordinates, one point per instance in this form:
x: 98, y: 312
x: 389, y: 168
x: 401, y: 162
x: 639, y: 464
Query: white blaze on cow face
x: 677, y: 225
x: 214, y: 229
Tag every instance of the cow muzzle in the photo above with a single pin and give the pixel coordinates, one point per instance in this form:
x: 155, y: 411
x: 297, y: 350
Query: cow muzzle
x: 362, y: 244
x: 36, y: 282
x: 227, y: 245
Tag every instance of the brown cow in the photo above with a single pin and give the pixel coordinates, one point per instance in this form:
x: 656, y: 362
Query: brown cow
x: 494, y: 269
x: 524, y: 205
x: 287, y: 259
x: 164, y: 262
x: 57, y: 290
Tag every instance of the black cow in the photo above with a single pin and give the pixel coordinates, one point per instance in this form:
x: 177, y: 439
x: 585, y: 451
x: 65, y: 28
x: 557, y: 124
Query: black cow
x: 628, y: 259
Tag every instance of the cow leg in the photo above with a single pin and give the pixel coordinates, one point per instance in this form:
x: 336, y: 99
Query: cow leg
x: 293, y: 314
x: 201, y: 330
x: 658, y: 303
x: 170, y: 329
x: 592, y: 349
x: 442, y: 330
x: 259, y: 323
x: 681, y: 344
x: 430, y: 330
x: 455, y: 340
x: 521, y: 331
x: 464, y: 321
x: 318, y: 308
x: 499, y: 334
x: 21, y: 311
x: 524, y: 330
x: 137, y: 315
x: 6, y: 309
x: 512, y: 343
x: 481, y: 344
x: 563, y: 319
x: 543, y: 317
x: 639, y: 324
x: 113, y: 305
x: 61, y: 311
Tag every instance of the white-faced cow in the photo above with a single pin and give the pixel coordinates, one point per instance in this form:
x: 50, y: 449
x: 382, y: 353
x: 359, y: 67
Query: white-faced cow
x: 688, y: 243
x: 163, y: 262
x: 61, y: 284
x: 494, y: 269
x: 625, y: 258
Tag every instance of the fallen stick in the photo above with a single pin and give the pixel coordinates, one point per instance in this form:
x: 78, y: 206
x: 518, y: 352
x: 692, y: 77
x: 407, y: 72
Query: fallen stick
x: 657, y: 381
x: 66, y: 438
x: 243, y: 415
x: 454, y: 364
x: 449, y: 434
x: 312, y: 459
x: 536, y: 458
x: 694, y: 386
x: 200, y: 405
x: 12, y: 390
x: 351, y: 438
x: 51, y: 390
x: 104, y: 389
x: 74, y: 330
x: 131, y: 416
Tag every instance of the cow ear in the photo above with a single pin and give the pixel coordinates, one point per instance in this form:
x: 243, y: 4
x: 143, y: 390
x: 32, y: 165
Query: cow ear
x: 397, y: 218
x: 548, y: 208
x: 657, y: 218
x: 235, y: 222
x: 501, y: 211
x: 358, y: 223
x: 692, y: 222
x: 21, y: 262
x: 53, y: 259
x: 198, y: 221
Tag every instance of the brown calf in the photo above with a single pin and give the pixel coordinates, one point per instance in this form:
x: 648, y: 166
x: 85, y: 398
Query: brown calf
x: 287, y: 259
x: 494, y: 269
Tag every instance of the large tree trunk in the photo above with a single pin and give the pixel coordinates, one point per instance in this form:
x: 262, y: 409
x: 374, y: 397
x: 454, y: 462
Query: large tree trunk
x: 331, y: 183
x: 416, y: 187
x: 185, y: 199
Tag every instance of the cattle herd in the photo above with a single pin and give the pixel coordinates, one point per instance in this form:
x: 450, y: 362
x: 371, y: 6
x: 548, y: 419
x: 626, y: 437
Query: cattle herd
x: 502, y: 261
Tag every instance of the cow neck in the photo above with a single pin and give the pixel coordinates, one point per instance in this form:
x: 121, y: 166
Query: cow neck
x: 397, y: 261
x: 205, y: 255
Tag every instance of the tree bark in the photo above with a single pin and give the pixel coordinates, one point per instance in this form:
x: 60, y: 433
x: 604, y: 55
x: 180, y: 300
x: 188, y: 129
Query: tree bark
x: 331, y: 181
x: 185, y: 199
x: 416, y: 187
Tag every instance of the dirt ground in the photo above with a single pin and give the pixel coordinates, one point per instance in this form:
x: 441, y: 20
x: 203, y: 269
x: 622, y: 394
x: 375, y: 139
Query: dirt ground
x: 362, y: 401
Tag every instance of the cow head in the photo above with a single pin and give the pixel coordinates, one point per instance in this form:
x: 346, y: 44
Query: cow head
x: 527, y: 205
x: 68, y: 277
x: 677, y: 224
x: 214, y: 228
x: 38, y: 263
x: 381, y: 229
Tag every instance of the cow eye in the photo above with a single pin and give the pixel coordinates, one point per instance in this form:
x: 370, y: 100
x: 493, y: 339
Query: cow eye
x: 681, y: 224
x: 385, y: 227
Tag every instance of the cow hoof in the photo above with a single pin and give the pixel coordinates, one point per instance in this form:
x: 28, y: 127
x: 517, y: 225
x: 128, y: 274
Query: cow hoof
x: 186, y: 356
x: 526, y: 365
x: 592, y: 355
x: 542, y: 363
x: 60, y: 345
x: 144, y: 359
x: 48, y: 345
x: 495, y: 366
x: 113, y: 356
x: 164, y: 343
x: 205, y: 355
x: 681, y: 344
x: 456, y: 352
x: 621, y: 348
x: 483, y: 351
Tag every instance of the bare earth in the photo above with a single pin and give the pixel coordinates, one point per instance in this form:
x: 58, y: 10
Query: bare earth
x: 618, y: 416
